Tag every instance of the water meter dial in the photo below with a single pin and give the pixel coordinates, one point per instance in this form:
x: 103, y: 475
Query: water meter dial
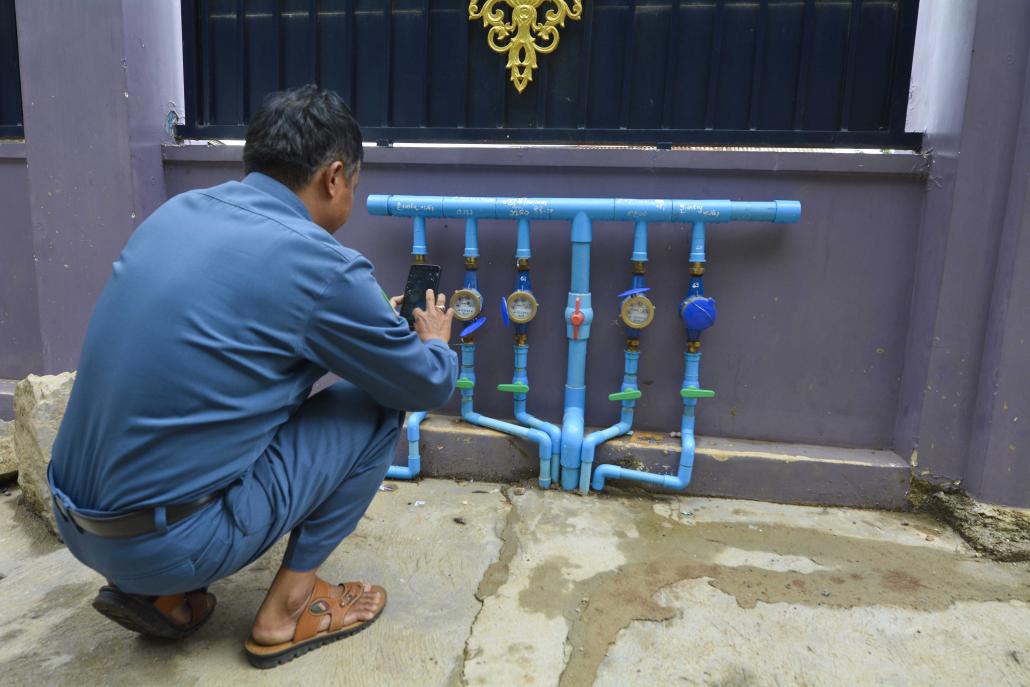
x: 522, y: 307
x: 637, y: 311
x: 467, y: 304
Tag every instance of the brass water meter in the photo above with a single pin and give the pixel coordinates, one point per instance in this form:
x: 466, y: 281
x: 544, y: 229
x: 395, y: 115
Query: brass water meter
x: 637, y: 311
x: 521, y: 307
x: 467, y: 304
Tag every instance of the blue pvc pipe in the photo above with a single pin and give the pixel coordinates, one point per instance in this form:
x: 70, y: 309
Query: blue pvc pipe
x: 418, y: 235
x: 697, y: 242
x: 681, y: 479
x: 625, y: 424
x: 640, y: 241
x: 471, y: 238
x: 621, y: 209
x: 414, y: 466
x: 542, y: 439
x: 522, y: 245
x: 575, y: 383
x: 552, y: 431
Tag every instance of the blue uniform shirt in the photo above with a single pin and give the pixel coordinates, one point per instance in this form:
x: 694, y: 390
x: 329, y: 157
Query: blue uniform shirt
x: 223, y: 309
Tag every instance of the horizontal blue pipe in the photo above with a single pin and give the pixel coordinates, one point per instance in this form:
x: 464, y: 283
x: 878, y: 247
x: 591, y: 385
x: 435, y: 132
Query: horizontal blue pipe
x: 677, y: 482
x: 621, y: 209
x: 414, y: 466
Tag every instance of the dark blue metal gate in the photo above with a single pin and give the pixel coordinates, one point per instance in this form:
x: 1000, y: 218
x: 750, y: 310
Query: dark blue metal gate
x: 653, y: 72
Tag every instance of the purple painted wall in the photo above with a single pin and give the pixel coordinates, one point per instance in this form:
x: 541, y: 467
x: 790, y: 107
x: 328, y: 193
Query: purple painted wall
x: 812, y: 317
x: 896, y: 314
x: 20, y: 350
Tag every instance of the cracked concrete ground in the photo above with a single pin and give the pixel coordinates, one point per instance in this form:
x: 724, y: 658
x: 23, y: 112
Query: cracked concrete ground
x: 494, y: 585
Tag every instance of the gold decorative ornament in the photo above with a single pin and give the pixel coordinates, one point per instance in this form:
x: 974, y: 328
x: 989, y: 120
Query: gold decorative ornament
x: 518, y: 36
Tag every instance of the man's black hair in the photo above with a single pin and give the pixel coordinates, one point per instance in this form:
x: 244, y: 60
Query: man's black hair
x: 297, y: 132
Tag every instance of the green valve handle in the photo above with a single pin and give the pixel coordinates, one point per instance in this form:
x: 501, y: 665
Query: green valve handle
x: 627, y: 395
x: 694, y: 392
x: 464, y: 383
x: 514, y: 388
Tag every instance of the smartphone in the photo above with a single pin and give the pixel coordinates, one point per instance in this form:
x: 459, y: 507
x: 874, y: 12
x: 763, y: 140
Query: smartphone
x: 420, y: 278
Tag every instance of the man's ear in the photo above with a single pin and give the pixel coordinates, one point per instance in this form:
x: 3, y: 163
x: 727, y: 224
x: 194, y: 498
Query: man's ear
x: 334, y: 179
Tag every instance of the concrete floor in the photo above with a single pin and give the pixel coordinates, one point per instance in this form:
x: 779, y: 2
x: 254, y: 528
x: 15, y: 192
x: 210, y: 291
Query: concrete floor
x: 509, y: 586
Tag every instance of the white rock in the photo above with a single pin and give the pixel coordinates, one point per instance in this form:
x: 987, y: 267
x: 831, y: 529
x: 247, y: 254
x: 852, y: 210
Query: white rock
x: 39, y: 405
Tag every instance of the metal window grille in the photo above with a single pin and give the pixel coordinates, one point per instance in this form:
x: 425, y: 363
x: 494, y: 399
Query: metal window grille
x: 650, y: 72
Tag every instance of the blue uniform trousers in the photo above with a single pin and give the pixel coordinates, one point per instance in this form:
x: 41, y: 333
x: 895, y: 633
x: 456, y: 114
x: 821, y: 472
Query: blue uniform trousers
x: 314, y: 481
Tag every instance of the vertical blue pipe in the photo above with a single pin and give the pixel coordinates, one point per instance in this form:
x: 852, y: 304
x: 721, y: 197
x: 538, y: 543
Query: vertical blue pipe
x: 418, y: 236
x: 414, y: 467
x: 625, y: 424
x: 575, y: 384
x: 471, y: 238
x: 640, y: 241
x: 522, y: 243
x: 697, y: 242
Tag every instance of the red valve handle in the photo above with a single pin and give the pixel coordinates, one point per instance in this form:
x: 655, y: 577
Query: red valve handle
x: 577, y: 319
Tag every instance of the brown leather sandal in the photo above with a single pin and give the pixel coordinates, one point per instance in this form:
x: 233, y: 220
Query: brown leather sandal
x: 307, y: 636
x: 149, y: 615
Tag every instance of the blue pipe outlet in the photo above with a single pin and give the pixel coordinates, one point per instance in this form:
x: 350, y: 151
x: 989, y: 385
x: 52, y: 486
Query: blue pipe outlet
x: 681, y: 479
x: 414, y: 466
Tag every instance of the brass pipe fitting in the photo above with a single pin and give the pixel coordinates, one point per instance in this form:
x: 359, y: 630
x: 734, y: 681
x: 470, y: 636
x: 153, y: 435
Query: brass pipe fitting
x: 522, y: 264
x: 639, y: 267
x: 632, y: 344
x: 697, y: 269
x: 471, y: 263
x: 419, y: 259
x: 521, y: 339
x: 693, y: 346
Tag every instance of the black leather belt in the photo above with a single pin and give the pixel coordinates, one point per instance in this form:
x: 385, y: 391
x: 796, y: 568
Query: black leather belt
x: 136, y: 522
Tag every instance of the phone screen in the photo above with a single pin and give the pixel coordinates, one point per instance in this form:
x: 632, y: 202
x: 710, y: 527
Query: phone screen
x: 420, y: 278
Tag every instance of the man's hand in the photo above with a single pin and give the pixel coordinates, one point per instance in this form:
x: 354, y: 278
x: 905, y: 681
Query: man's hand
x: 435, y: 321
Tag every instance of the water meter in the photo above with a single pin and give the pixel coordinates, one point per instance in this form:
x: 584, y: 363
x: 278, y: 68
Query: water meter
x: 637, y: 311
x: 521, y: 306
x: 467, y: 304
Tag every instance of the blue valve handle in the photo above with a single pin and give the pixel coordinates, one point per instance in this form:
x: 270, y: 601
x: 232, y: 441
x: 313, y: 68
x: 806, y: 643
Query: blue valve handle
x: 476, y: 324
x: 504, y: 312
x: 698, y: 313
x: 633, y: 292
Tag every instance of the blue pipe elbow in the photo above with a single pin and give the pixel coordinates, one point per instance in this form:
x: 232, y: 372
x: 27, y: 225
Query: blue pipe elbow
x: 414, y: 466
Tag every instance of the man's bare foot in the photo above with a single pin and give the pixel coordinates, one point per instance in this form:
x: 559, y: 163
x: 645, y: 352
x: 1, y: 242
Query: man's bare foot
x: 287, y: 599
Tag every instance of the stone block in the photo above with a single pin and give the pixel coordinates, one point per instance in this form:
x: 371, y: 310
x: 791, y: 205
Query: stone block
x: 39, y: 405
